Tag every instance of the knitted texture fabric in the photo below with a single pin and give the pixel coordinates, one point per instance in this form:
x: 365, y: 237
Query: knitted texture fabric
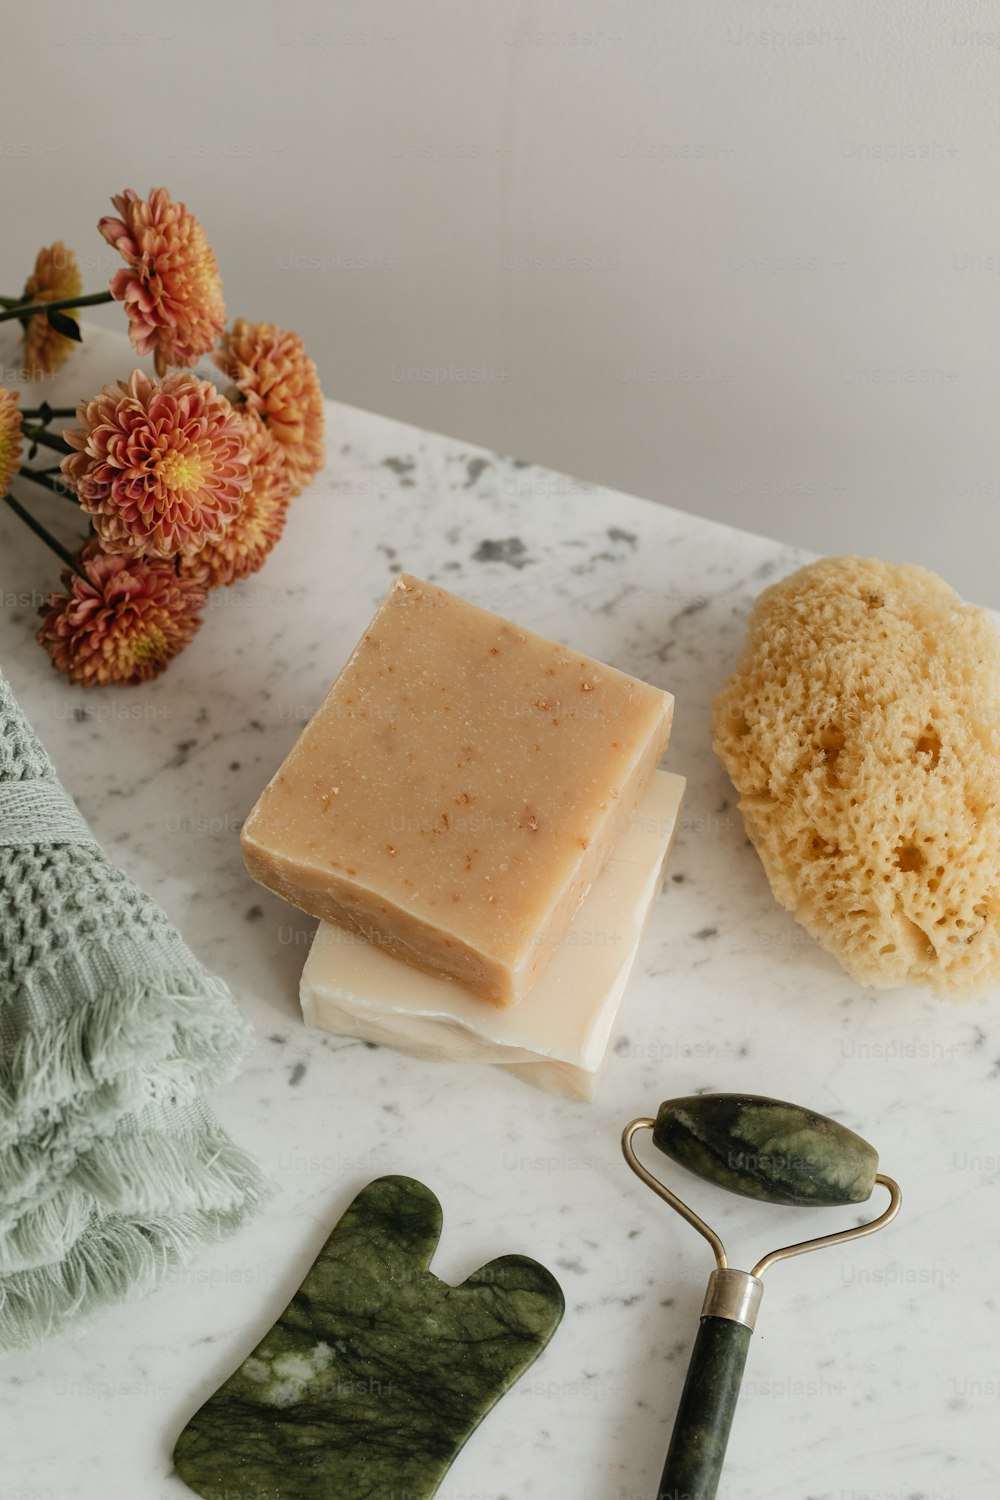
x: 113, y: 1171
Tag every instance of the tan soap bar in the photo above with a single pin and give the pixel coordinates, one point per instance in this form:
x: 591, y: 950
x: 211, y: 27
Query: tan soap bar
x: 458, y: 790
x: 560, y: 1034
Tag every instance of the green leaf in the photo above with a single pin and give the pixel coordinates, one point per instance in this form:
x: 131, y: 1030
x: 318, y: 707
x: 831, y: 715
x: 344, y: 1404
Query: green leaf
x: 67, y: 326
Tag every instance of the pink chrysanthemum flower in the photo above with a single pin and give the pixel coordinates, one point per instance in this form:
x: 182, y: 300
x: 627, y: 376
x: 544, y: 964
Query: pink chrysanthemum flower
x: 161, y: 468
x: 123, y: 623
x: 244, y: 546
x: 56, y: 276
x: 279, y: 382
x: 10, y: 438
x: 170, y: 284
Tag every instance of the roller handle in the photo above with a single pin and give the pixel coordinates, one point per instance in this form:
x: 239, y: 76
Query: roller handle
x: 705, y: 1415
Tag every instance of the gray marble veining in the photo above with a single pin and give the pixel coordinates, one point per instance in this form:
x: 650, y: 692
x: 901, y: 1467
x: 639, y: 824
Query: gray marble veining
x: 876, y: 1370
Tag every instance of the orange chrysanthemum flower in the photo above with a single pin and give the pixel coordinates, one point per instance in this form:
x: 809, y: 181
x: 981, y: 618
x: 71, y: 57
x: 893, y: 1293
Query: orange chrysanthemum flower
x: 161, y: 468
x: 56, y: 276
x: 244, y: 546
x: 170, y: 285
x: 10, y: 438
x: 122, y: 623
x: 279, y: 382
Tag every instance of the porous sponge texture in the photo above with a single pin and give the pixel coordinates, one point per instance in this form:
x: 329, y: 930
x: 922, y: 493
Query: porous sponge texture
x: 862, y: 731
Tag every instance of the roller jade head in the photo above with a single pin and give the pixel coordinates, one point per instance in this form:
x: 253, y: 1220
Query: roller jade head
x: 767, y: 1149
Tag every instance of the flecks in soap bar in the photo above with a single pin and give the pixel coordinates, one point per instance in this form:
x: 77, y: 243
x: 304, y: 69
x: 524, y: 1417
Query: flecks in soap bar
x: 458, y: 790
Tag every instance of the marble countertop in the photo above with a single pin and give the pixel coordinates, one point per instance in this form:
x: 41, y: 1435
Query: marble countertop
x: 875, y: 1371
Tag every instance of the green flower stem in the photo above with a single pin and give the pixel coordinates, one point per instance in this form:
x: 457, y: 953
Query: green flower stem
x: 46, y: 439
x: 29, y: 309
x: 48, y: 411
x: 45, y: 478
x: 45, y: 536
x: 9, y: 301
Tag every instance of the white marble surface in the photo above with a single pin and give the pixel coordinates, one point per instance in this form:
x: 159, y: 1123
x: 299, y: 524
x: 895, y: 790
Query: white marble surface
x: 875, y: 1373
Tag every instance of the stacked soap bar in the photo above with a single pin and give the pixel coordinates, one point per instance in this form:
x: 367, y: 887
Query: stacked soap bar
x: 458, y: 791
x: 558, y: 1037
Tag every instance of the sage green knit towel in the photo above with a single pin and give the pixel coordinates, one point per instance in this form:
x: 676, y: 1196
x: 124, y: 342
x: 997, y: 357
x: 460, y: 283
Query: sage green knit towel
x: 113, y: 1171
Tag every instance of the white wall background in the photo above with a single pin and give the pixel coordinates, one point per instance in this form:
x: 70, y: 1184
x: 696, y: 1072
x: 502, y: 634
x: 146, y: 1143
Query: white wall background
x: 742, y: 256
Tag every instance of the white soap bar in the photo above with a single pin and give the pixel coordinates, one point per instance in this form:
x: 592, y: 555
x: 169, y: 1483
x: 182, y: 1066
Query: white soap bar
x: 558, y: 1035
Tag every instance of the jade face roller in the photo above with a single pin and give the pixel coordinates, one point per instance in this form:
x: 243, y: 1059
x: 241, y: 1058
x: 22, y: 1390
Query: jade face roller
x: 759, y: 1148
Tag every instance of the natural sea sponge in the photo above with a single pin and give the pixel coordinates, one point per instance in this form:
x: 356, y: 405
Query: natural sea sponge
x: 862, y: 731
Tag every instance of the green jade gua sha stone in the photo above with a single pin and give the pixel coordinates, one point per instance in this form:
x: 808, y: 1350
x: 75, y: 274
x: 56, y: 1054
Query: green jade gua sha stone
x: 377, y: 1371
